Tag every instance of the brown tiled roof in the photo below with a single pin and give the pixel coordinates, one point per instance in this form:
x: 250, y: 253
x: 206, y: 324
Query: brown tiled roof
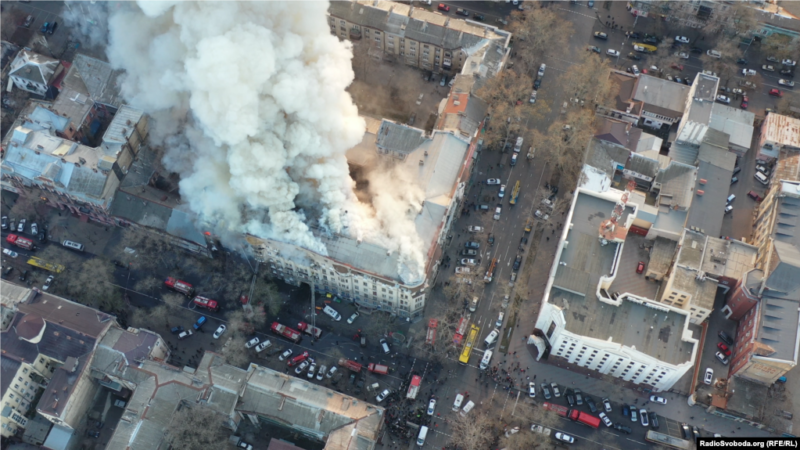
x: 30, y: 326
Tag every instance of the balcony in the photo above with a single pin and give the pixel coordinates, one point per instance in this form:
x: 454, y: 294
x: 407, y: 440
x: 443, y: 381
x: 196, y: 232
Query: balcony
x: 355, y: 34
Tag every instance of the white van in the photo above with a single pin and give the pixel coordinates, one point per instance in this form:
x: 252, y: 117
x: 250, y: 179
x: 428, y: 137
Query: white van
x: 714, y: 54
x: 761, y: 178
x: 457, y: 403
x: 492, y: 337
x: 467, y: 408
x: 332, y: 312
x: 487, y: 357
x: 423, y: 433
x: 73, y: 245
x: 474, y: 305
x: 499, y: 322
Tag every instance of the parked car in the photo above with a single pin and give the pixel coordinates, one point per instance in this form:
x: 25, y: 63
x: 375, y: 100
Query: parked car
x: 531, y: 389
x: 301, y: 367
x: 687, y: 433
x: 10, y: 253
x: 683, y: 55
x: 653, y: 421
x: 787, y: 83
x: 592, y: 48
x: 600, y: 35
x: 723, y: 99
x: 657, y: 399
x: 472, y: 244
x: 788, y: 62
x: 21, y: 226
x: 493, y: 181
x: 565, y: 438
x: 382, y: 396
x: 260, y: 347
x: 613, y: 53
x: 221, y: 329
x: 47, y: 283
x: 745, y: 101
x: 754, y: 195
x: 709, y: 376
x: 443, y: 7
x: 640, y: 267
x: 285, y: 355
x: 542, y: 68
x: 252, y: 342
x: 633, y: 56
x: 462, y: 12
x: 477, y: 16
x: 431, y: 407
x: 34, y: 229
x: 606, y: 420
x: 591, y: 404
x: 722, y: 358
x: 634, y: 415
x: 176, y: 330
x: 475, y: 229
x: 497, y: 212
x: 682, y: 39
x: 331, y: 372
x: 606, y: 405
x: 28, y: 21
x: 570, y: 397
x: 468, y: 262
x: 353, y: 318
x: 724, y: 349
x: 546, y: 391
x: 622, y: 428
x: 556, y: 391
x: 312, y: 370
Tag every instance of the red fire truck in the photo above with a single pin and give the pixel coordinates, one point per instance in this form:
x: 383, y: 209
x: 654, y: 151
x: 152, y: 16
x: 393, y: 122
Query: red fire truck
x: 308, y: 329
x: 573, y: 414
x: 288, y: 333
x: 206, y: 303
x: 462, y: 328
x: 430, y: 338
x: 413, y: 388
x: 180, y: 286
x: 350, y: 364
x: 19, y: 241
x: 380, y: 369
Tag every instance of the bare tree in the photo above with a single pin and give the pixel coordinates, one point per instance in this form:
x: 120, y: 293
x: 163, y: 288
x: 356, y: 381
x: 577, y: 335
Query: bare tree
x: 780, y: 46
x: 473, y: 432
x: 92, y: 285
x: 443, y: 346
x: 588, y: 81
x: 378, y: 324
x: 507, y: 94
x: 235, y: 352
x: 541, y: 31
x: 266, y: 295
x: 148, y: 284
x: 174, y: 301
x: 196, y: 428
x: 148, y: 317
x: 786, y: 107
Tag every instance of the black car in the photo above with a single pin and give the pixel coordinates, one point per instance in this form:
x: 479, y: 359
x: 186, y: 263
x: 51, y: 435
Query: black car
x: 570, y: 398
x: 477, y: 16
x: 741, y: 61
x: 696, y: 50
x: 687, y: 82
x: 471, y: 244
x: 654, y: 420
x: 468, y: 252
x: 176, y: 330
x: 788, y: 72
x: 5, y: 222
x: 52, y: 28
x: 536, y: 84
x: 462, y: 12
x: 42, y: 237
x: 622, y: 428
x: 687, y: 434
x: 626, y: 410
x: 650, y: 40
x: 634, y: 56
x: 7, y: 270
x: 517, y: 262
x: 23, y: 276
x: 634, y: 35
x: 591, y: 404
x: 93, y: 433
x: 491, y: 239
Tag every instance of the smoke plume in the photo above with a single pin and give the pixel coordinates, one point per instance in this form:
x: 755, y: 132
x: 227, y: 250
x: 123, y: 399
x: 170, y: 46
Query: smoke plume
x: 249, y: 101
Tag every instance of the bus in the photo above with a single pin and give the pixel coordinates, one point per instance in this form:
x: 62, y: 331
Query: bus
x: 42, y: 264
x: 644, y: 48
x: 514, y: 194
x: 667, y: 440
x: 473, y: 334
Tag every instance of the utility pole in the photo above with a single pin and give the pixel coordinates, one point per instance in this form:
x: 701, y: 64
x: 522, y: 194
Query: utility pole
x: 313, y: 306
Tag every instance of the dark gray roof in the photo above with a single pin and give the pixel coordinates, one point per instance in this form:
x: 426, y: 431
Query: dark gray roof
x: 8, y: 369
x: 643, y: 165
x: 88, y: 182
x: 360, y: 14
x: 684, y: 153
x: 718, y: 157
x: 676, y: 184
x: 606, y: 156
x: 395, y: 137
x: 33, y: 67
x: 100, y: 79
x: 476, y: 109
x: 708, y: 210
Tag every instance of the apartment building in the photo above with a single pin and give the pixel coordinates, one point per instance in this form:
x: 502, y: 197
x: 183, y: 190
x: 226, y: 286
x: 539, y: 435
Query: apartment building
x: 778, y: 132
x: 68, y: 175
x: 418, y: 37
x: 368, y: 273
x: 34, y: 73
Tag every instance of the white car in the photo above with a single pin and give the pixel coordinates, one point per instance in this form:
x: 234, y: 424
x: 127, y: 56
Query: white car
x: 474, y: 229
x: 301, y: 367
x: 468, y: 262
x: 787, y: 83
x: 497, y: 212
x: 644, y: 417
x: 285, y: 355
x: 382, y: 396
x: 683, y: 55
x: 607, y: 405
x: 221, y: 329
x: 21, y: 226
x: 541, y: 70
x: 611, y: 52
x: 10, y: 253
x: 431, y: 406
x: 492, y: 336
x: 749, y: 73
x: 321, y: 373
x: 606, y: 420
x: 331, y: 372
x: 541, y: 215
x: 260, y: 347
x: 532, y: 389
x: 723, y: 99
x: 635, y: 69
x: 251, y: 343
x: 709, y: 377
x: 532, y: 99
x: 502, y: 191
x: 767, y: 68
x: 493, y: 181
x: 312, y: 370
x: 47, y: 283
x: 34, y: 229
x: 682, y: 39
x: 565, y: 438
x: 462, y: 270
x: 788, y: 62
x: 657, y: 399
x: 353, y: 318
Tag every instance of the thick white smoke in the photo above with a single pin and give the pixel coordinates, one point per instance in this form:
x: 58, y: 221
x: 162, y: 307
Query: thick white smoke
x: 249, y: 99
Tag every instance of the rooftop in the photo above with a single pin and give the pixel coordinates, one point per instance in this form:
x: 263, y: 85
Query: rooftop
x: 627, y: 281
x: 100, y: 80
x: 34, y: 67
x: 708, y: 209
x: 650, y: 331
x: 676, y: 183
x: 662, y: 93
x: 735, y: 122
x: 782, y: 130
x: 728, y: 257
x: 702, y: 292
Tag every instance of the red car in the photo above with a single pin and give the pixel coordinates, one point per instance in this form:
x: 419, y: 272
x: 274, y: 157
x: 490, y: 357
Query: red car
x: 754, y: 196
x: 677, y: 66
x: 775, y: 93
x: 298, y: 359
x: 443, y: 7
x: 724, y: 349
x: 640, y: 267
x: 744, y: 101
